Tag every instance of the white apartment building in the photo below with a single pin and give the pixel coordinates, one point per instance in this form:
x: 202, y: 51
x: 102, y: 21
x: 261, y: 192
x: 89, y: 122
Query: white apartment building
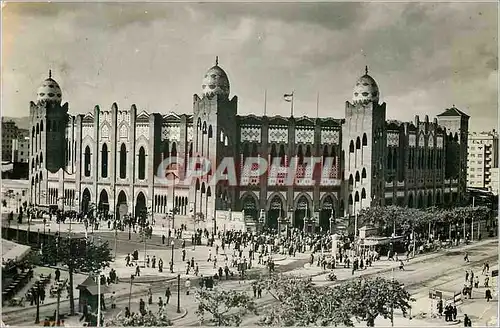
x: 21, y: 150
x: 482, y: 161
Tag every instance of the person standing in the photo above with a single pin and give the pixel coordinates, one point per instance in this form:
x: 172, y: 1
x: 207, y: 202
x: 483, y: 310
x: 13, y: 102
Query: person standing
x: 467, y: 321
x: 113, y: 301
x: 58, y: 274
x: 168, y: 293
x: 188, y: 286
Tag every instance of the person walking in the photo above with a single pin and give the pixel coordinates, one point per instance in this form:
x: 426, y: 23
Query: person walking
x: 466, y: 257
x: 466, y: 275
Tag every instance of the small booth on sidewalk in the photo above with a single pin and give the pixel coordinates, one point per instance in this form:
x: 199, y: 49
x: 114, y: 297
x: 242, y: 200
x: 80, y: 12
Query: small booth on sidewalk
x: 89, y: 293
x: 368, y: 240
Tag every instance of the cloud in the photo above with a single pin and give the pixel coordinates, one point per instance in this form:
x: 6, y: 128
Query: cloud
x: 424, y: 56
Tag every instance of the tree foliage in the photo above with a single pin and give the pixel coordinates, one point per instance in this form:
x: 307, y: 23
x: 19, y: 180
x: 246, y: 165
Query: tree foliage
x: 160, y: 319
x: 369, y: 298
x: 406, y: 219
x: 85, y: 255
x: 301, y: 303
x: 226, y: 307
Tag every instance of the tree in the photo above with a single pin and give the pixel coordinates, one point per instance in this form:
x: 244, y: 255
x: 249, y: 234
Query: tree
x: 81, y: 254
x: 303, y: 304
x: 227, y: 307
x: 369, y: 298
x: 160, y: 319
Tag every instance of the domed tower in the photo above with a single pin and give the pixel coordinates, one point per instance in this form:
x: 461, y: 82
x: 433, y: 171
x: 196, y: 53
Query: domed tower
x: 214, y: 138
x: 48, y: 119
x: 216, y: 82
x: 363, y: 147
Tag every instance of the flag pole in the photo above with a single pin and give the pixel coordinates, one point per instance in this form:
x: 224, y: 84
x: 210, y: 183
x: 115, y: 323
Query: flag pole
x: 317, y: 105
x: 291, y: 109
x: 265, y: 102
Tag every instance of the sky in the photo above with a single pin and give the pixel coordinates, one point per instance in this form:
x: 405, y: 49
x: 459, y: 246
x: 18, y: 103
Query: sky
x: 425, y: 57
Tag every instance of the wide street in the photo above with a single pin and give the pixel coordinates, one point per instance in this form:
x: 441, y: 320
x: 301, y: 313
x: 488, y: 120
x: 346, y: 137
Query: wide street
x: 443, y: 271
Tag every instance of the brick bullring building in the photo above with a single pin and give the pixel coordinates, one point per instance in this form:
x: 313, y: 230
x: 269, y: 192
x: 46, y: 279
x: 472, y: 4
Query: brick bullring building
x: 111, y: 157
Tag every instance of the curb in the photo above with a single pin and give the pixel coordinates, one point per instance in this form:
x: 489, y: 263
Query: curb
x: 184, y: 313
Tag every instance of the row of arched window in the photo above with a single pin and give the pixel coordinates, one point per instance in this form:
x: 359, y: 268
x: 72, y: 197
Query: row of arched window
x: 122, y: 162
x: 424, y: 160
x: 359, y: 143
x: 357, y: 178
x: 357, y: 197
x: 37, y: 162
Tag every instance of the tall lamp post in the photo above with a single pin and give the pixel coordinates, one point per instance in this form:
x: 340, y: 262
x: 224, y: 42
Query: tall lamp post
x: 172, y: 259
x: 173, y: 198
x: 178, y: 293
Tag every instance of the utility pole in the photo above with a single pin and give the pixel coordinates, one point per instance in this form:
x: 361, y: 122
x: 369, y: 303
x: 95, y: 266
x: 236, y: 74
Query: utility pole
x: 178, y: 293
x: 392, y: 298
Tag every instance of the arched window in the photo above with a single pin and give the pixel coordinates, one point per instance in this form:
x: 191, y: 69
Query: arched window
x: 86, y: 161
x: 210, y: 133
x: 351, y: 180
x: 142, y: 163
x: 41, y: 126
x: 356, y: 197
x: 300, y: 155
x: 365, y: 140
x: 363, y: 193
x: 357, y: 176
x: 123, y: 161
x: 166, y: 150
x: 282, y: 156
x: 308, y: 151
x: 104, y: 161
x: 351, y: 147
x: 358, y: 143
x: 174, y: 150
x: 246, y: 151
x: 273, y: 153
x: 255, y: 151
x: 363, y: 174
x: 41, y: 160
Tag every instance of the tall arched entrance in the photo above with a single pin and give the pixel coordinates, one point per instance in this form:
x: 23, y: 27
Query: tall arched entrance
x: 122, y: 199
x: 327, y: 211
x: 249, y: 206
x: 103, y: 202
x: 276, y: 210
x: 302, y: 211
x: 141, y: 211
x: 85, y: 200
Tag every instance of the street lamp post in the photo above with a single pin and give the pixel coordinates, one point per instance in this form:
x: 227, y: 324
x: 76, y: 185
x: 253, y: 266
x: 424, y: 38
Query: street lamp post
x: 178, y: 293
x: 130, y: 290
x: 172, y: 260
x: 37, y: 299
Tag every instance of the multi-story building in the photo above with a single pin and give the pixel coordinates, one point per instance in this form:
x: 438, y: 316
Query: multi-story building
x: 9, y: 133
x: 482, y: 161
x: 20, y: 149
x: 115, y: 157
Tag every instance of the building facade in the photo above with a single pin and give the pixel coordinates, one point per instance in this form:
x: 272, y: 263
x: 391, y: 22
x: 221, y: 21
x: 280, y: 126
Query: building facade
x: 113, y: 157
x: 9, y: 133
x: 482, y: 161
x: 20, y: 150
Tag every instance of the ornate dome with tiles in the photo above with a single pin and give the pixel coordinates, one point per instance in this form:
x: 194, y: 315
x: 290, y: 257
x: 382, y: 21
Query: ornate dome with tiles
x: 366, y: 90
x: 215, y: 82
x: 49, y: 91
